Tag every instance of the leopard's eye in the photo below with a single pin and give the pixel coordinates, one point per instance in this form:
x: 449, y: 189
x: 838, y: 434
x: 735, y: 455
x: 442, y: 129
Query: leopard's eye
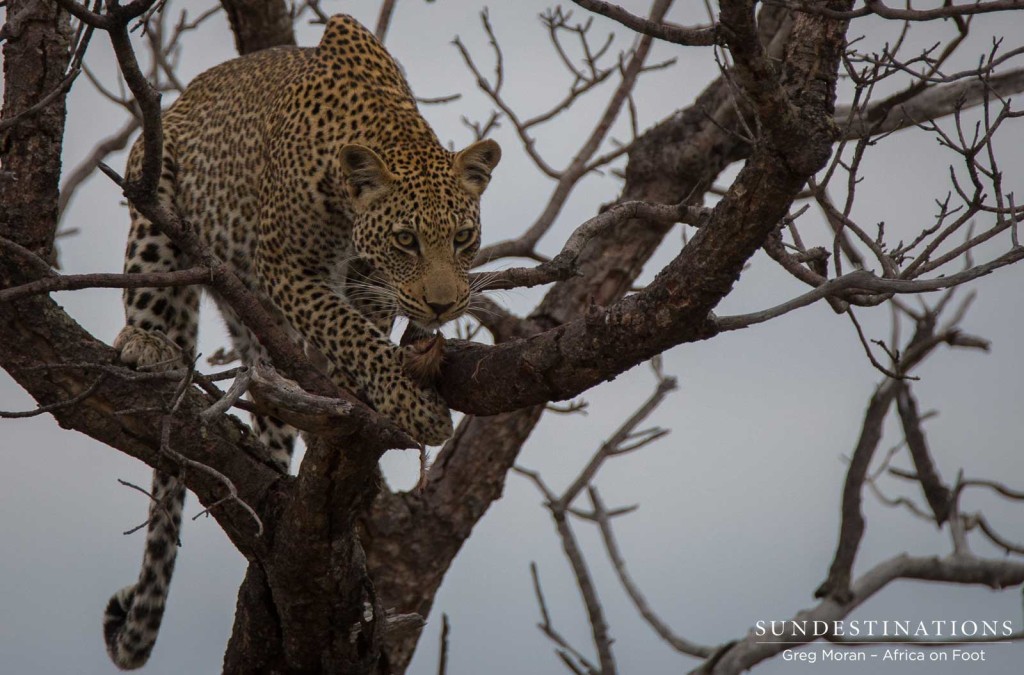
x: 463, y: 237
x: 405, y: 240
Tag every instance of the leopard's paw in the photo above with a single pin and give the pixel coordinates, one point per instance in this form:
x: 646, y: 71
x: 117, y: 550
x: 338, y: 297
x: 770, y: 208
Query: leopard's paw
x: 419, y: 411
x: 150, y: 350
x: 431, y: 419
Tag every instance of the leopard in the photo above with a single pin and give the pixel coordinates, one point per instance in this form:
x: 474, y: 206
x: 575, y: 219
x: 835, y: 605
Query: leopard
x: 312, y: 174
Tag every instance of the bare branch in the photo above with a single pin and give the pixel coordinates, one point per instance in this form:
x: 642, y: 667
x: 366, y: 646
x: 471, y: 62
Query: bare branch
x: 994, y: 485
x: 548, y: 629
x: 996, y: 538
x: 617, y: 444
x: 187, y: 463
x: 879, y: 8
x: 680, y: 644
x: 694, y: 37
x: 283, y: 399
x: 387, y: 8
x: 865, y: 281
x: 40, y: 410
x: 78, y: 175
x: 931, y: 103
x: 563, y: 265
x: 938, y: 495
x: 158, y: 503
x: 225, y: 402
x: 74, y: 282
x: 581, y: 163
x: 442, y: 663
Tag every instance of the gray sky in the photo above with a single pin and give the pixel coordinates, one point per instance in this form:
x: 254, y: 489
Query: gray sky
x: 739, y: 505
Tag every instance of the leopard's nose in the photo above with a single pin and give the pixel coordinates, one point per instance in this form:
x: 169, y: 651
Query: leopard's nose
x: 440, y: 307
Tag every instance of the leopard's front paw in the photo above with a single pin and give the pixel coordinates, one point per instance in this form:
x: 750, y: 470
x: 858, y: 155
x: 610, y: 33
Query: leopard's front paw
x: 419, y: 411
x: 151, y: 350
x: 432, y: 419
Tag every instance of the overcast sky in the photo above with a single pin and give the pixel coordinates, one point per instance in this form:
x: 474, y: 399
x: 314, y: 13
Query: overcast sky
x: 738, y: 506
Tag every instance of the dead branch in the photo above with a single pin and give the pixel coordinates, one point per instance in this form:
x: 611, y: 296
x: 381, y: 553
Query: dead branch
x: 153, y: 500
x: 938, y: 495
x: 230, y: 398
x: 702, y: 36
x: 879, y: 8
x: 114, y: 143
x: 864, y: 281
x: 74, y: 282
x: 993, y: 536
x: 582, y: 163
x: 931, y: 103
x: 281, y: 398
x: 166, y: 449
x: 387, y: 8
x: 565, y: 650
x: 625, y: 439
x: 920, y: 345
x: 51, y: 407
x: 603, y: 518
x: 442, y: 661
x: 563, y: 265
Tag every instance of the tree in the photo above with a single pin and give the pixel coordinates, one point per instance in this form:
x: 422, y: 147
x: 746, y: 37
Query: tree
x: 348, y: 593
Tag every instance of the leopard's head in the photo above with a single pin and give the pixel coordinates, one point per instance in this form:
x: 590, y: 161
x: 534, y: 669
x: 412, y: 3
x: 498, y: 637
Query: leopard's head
x: 418, y: 226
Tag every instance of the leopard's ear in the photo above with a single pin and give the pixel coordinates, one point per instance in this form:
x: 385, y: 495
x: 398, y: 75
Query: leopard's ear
x: 474, y: 165
x: 339, y: 35
x: 366, y: 175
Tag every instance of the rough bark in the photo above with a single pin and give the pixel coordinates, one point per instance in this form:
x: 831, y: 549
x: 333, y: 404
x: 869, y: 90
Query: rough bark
x: 307, y: 604
x: 259, y: 24
x: 36, y: 54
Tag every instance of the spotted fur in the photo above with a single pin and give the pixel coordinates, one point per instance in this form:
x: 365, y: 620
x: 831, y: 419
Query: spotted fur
x: 312, y: 173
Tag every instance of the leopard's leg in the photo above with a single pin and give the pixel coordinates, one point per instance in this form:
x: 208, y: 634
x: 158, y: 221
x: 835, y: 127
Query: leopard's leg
x: 160, y: 334
x: 277, y: 437
x: 362, y: 358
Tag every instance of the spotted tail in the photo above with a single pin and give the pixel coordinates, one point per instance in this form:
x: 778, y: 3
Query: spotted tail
x: 133, y: 615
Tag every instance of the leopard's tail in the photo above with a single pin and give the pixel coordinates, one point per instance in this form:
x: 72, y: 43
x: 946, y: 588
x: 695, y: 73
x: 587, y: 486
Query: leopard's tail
x: 133, y: 615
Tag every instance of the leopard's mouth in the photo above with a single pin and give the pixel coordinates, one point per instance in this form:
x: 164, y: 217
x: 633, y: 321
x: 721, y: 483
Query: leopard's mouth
x: 431, y: 321
x: 428, y: 326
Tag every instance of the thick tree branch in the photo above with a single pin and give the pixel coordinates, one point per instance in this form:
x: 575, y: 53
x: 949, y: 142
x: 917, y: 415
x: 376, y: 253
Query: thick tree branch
x: 36, y: 56
x: 259, y: 24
